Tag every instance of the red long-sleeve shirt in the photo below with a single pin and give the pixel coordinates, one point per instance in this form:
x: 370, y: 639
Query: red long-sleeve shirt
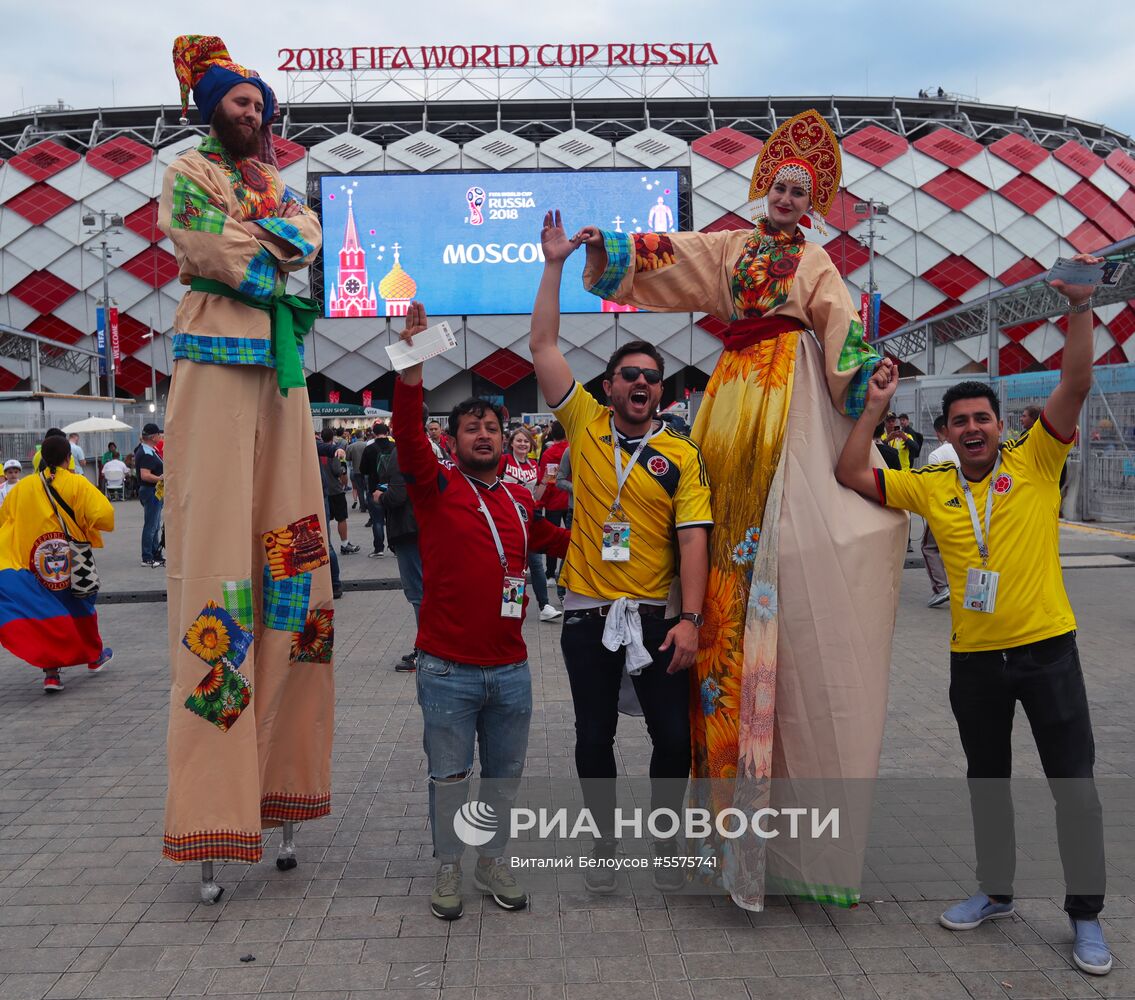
x: 462, y: 576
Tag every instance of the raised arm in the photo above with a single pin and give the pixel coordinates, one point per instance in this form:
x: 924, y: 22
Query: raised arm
x: 552, y: 371
x: 1062, y: 409
x: 854, y: 469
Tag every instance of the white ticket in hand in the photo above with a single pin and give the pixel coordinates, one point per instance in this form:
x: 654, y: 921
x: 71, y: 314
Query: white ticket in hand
x: 427, y: 344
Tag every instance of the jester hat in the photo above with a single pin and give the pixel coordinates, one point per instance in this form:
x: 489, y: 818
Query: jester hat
x: 806, y: 149
x: 203, y: 65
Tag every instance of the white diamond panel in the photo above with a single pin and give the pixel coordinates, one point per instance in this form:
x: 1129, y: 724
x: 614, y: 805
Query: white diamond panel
x: 424, y: 151
x: 651, y: 148
x: 989, y: 170
x: 853, y: 169
x: 15, y: 313
x: 79, y: 311
x: 956, y: 232
x: 157, y: 309
x: 888, y: 276
x: 79, y: 181
x: 993, y: 212
x: 499, y: 150
x: 167, y: 154
x: 69, y: 224
x: 12, y: 271
x: 1053, y: 174
x: 1109, y: 182
x: 38, y: 247
x: 352, y: 334
x: 918, y: 254
x: 914, y: 167
x: 915, y: 298
x: 575, y: 148
x: 1028, y: 236
x: 146, y: 179
x: 12, y: 182
x: 584, y: 365
x: 918, y: 210
x: 354, y: 372
x: 702, y: 169
x: 345, y: 154
x: 12, y: 225
x: 983, y: 287
x: 880, y: 187
x: 993, y: 255
x: 1059, y: 215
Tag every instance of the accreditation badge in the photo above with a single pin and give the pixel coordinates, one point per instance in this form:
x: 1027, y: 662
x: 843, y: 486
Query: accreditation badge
x: 616, y: 541
x: 512, y: 597
x: 981, y: 590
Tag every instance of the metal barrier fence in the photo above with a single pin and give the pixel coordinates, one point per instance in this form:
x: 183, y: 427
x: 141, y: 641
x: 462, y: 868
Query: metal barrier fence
x: 1101, y: 465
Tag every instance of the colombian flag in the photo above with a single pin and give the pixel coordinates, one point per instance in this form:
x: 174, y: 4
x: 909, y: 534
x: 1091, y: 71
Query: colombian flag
x: 47, y: 628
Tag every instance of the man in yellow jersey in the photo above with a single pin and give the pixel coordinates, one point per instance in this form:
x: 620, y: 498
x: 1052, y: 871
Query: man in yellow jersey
x: 1014, y: 634
x: 641, y: 495
x: 900, y: 438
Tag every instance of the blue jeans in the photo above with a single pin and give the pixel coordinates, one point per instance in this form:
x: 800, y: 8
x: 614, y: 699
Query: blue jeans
x: 335, y: 583
x: 151, y: 525
x: 463, y: 704
x: 410, y: 570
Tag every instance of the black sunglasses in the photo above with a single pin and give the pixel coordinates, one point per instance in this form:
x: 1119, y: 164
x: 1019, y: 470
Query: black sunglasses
x: 631, y: 373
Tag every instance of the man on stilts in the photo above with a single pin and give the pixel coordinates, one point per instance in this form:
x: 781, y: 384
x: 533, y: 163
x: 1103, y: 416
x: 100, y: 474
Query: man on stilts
x: 250, y: 604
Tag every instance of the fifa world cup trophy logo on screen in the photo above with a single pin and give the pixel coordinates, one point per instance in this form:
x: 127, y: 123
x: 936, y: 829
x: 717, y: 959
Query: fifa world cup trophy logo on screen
x: 475, y: 196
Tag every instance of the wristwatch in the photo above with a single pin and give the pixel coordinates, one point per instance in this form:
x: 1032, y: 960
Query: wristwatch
x: 1082, y: 307
x: 692, y: 616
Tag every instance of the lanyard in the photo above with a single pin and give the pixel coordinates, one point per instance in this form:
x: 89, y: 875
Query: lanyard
x: 982, y: 542
x: 621, y: 474
x: 492, y: 524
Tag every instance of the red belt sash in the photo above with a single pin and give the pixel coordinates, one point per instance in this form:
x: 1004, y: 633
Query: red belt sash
x: 742, y: 333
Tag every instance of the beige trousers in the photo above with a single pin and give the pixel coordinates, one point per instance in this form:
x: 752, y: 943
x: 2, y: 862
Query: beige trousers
x: 251, y: 708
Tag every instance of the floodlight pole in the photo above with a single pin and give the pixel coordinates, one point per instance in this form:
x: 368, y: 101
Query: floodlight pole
x: 108, y: 222
x: 871, y: 208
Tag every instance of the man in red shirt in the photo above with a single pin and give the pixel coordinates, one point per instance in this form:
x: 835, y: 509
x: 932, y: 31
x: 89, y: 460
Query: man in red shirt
x: 474, y: 533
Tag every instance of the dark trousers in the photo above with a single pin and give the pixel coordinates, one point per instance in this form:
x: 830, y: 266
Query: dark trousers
x: 151, y: 522
x: 1046, y: 678
x: 595, y: 674
x: 561, y: 519
x: 377, y: 521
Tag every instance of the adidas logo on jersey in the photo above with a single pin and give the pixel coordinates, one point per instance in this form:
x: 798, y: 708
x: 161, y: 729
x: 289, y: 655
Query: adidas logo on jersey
x: 953, y: 502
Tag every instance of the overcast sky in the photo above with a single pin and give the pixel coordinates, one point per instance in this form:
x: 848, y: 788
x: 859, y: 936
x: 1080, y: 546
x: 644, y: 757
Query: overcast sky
x: 1032, y: 53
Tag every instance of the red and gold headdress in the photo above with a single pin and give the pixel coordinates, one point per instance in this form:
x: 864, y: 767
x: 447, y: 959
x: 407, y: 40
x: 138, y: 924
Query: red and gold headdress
x: 806, y: 148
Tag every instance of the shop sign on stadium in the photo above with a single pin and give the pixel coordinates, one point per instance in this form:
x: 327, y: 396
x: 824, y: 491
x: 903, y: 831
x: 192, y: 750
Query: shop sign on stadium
x: 567, y: 55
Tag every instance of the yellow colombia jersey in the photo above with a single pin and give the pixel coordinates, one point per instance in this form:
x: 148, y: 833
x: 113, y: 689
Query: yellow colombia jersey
x: 1024, y: 537
x: 668, y: 488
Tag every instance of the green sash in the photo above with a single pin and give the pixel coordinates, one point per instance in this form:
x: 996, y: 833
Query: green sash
x: 292, y: 316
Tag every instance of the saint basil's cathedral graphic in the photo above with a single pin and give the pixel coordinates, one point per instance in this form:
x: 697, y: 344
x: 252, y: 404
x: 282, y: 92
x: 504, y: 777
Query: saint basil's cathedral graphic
x: 353, y: 294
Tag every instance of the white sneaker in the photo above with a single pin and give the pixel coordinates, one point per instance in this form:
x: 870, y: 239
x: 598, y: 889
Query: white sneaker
x: 938, y: 599
x: 549, y: 614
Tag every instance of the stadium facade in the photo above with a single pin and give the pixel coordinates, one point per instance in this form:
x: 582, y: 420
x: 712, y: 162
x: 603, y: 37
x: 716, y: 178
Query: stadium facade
x: 980, y: 197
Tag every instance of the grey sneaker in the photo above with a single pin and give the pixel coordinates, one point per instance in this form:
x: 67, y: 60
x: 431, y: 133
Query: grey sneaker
x: 603, y: 877
x: 492, y: 876
x: 667, y: 873
x: 445, y: 903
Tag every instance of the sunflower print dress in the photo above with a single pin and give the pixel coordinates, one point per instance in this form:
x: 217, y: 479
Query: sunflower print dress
x: 757, y: 688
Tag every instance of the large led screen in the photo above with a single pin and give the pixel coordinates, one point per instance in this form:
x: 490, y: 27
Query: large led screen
x: 468, y: 244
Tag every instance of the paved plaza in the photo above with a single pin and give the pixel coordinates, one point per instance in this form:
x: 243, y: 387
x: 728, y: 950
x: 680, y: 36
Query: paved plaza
x: 88, y: 908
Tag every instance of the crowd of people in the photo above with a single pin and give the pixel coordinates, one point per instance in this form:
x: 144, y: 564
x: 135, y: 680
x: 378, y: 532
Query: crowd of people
x: 691, y: 569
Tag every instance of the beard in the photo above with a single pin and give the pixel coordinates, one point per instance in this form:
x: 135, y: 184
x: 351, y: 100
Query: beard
x: 239, y: 144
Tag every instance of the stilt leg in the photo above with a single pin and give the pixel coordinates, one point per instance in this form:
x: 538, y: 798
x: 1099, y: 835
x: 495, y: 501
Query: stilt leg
x: 286, y: 859
x: 210, y: 891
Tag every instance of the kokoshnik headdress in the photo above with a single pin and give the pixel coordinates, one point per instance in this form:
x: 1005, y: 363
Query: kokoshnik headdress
x: 203, y: 65
x: 804, y: 151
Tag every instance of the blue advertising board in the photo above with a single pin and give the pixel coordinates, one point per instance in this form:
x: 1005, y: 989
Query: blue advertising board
x: 468, y: 244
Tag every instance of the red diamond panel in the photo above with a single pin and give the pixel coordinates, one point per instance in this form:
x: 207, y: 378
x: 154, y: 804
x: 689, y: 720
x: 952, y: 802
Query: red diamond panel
x: 1013, y: 359
x: 1086, y: 198
x: 727, y: 146
x: 287, y: 152
x: 43, y: 291
x: 1123, y: 325
x: 889, y: 319
x: 1021, y: 271
x: 1027, y: 193
x: 847, y: 253
x: 944, y: 306
x: 133, y: 376
x: 144, y: 222
x: 954, y: 188
x: 53, y: 328
x: 842, y: 215
x: 39, y: 203
x: 1078, y: 158
x: 1123, y: 164
x: 503, y: 368
x: 1054, y: 361
x: 1022, y: 153
x: 1087, y: 238
x: 1113, y: 222
x: 1022, y: 330
x: 43, y: 160
x: 875, y: 145
x: 119, y: 156
x: 8, y: 380
x: 154, y: 266
x: 954, y: 276
x: 712, y: 325
x: 131, y: 333
x: 948, y: 147
x: 1127, y: 203
x: 726, y: 222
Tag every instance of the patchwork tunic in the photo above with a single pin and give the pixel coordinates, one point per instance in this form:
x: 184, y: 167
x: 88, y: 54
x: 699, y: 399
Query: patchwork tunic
x: 250, y: 606
x: 790, y: 681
